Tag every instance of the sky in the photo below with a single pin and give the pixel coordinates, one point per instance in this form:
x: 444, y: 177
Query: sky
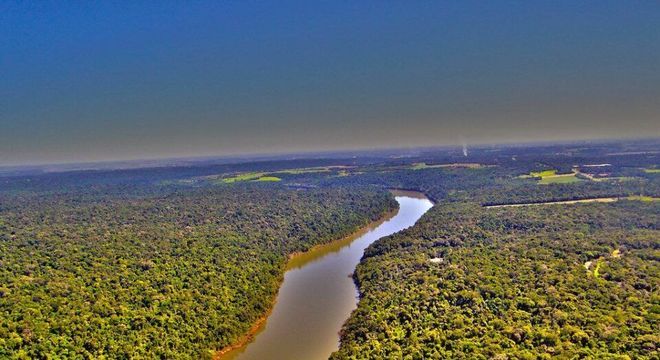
x: 113, y: 80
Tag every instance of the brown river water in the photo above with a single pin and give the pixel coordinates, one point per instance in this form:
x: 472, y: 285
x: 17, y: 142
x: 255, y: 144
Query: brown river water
x: 318, y: 293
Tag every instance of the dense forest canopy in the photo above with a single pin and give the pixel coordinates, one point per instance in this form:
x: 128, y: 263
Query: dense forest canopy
x: 177, y: 261
x: 165, y: 276
x: 522, y: 283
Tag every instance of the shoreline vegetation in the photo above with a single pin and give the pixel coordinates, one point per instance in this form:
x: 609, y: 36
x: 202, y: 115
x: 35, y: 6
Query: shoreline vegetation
x: 299, y: 259
x: 195, y: 266
x: 418, y: 293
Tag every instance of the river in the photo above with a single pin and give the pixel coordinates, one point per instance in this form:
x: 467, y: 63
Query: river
x: 318, y: 293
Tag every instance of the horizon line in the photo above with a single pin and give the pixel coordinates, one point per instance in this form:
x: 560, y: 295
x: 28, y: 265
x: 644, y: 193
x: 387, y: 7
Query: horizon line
x: 303, y: 153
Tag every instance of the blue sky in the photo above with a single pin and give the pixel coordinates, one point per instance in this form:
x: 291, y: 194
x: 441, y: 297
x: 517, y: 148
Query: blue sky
x: 88, y: 81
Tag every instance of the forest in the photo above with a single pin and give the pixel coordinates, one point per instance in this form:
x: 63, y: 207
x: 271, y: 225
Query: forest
x: 180, y: 261
x: 86, y: 275
x: 530, y: 282
x: 555, y: 281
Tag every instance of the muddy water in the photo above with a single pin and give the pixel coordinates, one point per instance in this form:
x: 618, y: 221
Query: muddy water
x: 318, y: 294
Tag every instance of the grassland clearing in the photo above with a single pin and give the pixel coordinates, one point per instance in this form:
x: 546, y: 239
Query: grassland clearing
x: 605, y: 178
x: 241, y: 177
x: 551, y: 177
x: 268, y: 178
x: 543, y: 173
x: 312, y: 170
x: 559, y: 179
x: 643, y: 198
x: 271, y: 175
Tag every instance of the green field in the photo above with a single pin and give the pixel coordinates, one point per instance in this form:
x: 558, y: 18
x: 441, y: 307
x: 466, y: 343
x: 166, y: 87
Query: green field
x: 268, y: 178
x: 242, y: 177
x: 643, y: 198
x: 559, y: 179
x: 551, y: 177
x: 308, y: 170
x: 544, y: 173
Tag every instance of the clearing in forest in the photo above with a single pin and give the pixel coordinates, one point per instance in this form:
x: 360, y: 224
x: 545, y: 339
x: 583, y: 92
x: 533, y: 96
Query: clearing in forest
x: 551, y: 177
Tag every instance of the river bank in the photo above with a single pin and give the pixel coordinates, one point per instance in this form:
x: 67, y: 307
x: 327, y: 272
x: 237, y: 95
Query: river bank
x: 317, y: 293
x: 298, y: 259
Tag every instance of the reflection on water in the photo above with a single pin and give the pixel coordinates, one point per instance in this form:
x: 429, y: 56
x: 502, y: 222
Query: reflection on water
x: 318, y: 294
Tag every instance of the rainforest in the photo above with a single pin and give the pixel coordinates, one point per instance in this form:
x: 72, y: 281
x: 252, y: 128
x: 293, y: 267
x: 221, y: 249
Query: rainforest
x: 177, y: 262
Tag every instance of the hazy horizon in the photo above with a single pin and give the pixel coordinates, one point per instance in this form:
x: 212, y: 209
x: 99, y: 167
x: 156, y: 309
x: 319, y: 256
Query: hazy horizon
x: 314, y: 153
x: 91, y: 82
